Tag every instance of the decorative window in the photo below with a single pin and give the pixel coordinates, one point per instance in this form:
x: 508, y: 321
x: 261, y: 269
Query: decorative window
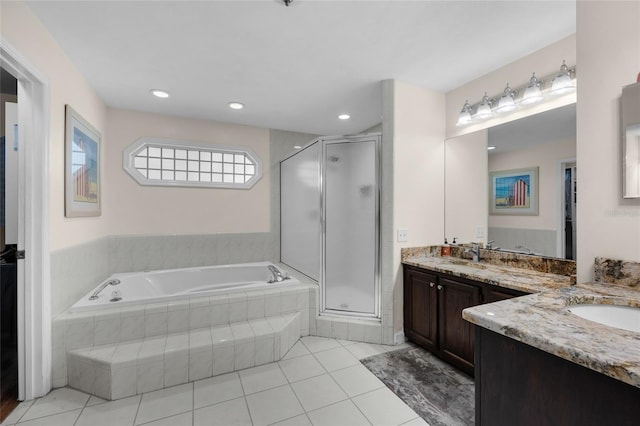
x: 166, y: 162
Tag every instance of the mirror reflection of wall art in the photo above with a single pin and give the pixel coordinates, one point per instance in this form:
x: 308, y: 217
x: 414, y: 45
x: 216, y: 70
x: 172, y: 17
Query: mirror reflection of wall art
x: 82, y: 166
x: 514, y: 192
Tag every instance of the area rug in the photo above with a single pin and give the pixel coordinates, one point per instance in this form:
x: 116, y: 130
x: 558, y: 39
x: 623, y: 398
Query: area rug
x: 440, y: 394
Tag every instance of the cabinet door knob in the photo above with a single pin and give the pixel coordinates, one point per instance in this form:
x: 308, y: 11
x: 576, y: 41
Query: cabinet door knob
x: 431, y: 284
x: 439, y: 287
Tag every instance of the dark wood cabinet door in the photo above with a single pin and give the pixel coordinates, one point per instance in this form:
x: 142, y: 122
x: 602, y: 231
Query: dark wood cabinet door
x: 421, y: 308
x: 495, y: 294
x: 457, y: 335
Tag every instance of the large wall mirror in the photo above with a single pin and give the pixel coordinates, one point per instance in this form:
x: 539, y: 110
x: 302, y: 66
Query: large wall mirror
x: 631, y: 141
x: 494, y: 178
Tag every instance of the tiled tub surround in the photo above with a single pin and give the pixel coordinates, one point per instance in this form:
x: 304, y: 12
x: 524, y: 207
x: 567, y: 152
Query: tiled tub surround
x: 138, y: 366
x: 543, y: 321
x: 76, y: 270
x: 73, y: 331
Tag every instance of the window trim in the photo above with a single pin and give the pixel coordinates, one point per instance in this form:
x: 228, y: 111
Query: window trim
x: 128, y: 160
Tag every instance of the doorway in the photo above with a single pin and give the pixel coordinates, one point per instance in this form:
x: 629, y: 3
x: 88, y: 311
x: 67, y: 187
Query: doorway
x: 569, y: 202
x: 8, y: 243
x: 32, y: 256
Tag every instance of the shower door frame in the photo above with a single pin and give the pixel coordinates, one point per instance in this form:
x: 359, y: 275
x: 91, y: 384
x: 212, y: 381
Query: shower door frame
x: 324, y: 311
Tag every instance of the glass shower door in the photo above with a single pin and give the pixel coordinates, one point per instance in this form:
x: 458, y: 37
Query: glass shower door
x: 350, y: 190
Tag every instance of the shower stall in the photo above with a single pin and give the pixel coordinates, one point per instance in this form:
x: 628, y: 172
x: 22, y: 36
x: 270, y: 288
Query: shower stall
x: 330, y: 196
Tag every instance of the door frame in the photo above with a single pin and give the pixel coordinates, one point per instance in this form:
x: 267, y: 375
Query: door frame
x: 560, y: 234
x: 34, y: 280
x: 376, y: 139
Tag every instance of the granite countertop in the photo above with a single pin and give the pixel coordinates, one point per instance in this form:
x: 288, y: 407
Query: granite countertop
x: 526, y: 280
x: 543, y: 321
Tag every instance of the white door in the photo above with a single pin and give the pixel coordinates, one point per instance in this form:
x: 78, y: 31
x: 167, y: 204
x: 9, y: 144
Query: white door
x: 350, y: 216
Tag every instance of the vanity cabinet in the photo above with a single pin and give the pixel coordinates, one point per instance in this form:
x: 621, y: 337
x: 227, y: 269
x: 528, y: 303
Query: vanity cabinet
x: 433, y: 305
x: 517, y: 384
x: 456, y: 335
x: 421, y: 308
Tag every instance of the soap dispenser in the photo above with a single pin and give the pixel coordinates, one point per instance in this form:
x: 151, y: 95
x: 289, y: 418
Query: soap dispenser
x: 445, y: 249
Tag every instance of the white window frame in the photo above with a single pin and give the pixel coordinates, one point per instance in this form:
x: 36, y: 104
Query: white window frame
x: 129, y: 155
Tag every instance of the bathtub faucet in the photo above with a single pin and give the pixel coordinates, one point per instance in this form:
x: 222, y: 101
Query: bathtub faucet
x: 276, y: 275
x: 94, y: 296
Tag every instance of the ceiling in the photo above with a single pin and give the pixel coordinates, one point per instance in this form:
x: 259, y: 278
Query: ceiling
x: 547, y: 127
x: 298, y: 67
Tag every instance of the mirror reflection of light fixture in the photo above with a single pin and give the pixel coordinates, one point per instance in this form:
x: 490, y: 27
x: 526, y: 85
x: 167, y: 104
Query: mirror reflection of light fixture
x: 507, y: 101
x: 562, y: 83
x: 532, y: 94
x: 465, y: 114
x: 484, y: 109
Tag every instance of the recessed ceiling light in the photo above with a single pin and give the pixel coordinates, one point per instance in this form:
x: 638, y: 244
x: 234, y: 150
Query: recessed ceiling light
x: 159, y: 93
x: 344, y: 116
x: 297, y: 146
x: 236, y: 105
x: 491, y: 147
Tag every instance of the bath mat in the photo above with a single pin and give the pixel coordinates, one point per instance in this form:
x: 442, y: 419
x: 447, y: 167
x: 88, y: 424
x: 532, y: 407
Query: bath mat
x: 436, y: 391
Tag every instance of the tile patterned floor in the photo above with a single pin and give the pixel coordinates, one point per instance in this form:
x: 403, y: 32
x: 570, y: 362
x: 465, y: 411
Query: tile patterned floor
x: 319, y: 382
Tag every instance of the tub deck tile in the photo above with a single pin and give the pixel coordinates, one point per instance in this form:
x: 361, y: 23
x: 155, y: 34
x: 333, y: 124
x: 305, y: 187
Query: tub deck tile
x: 132, y: 367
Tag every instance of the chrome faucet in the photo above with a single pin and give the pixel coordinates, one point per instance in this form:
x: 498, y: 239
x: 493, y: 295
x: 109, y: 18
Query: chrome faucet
x: 94, y: 296
x: 276, y: 275
x: 490, y: 245
x: 475, y: 251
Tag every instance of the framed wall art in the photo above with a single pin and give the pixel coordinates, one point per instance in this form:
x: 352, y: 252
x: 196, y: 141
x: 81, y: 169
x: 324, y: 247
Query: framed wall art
x: 514, y: 192
x: 82, y: 166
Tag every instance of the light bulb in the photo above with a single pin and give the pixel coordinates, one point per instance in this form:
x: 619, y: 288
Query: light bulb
x: 506, y: 103
x: 465, y: 114
x: 562, y: 82
x: 484, y: 109
x: 533, y: 93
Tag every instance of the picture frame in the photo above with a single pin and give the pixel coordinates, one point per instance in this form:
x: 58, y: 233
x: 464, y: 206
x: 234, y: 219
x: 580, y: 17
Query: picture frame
x: 514, y: 192
x: 82, y: 166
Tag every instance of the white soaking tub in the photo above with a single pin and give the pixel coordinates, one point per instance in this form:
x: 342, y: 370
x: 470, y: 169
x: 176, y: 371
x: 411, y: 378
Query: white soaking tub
x: 138, y: 288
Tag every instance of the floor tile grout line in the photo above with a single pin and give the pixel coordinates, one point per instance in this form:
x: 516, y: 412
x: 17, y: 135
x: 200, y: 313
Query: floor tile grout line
x: 162, y: 418
x: 244, y: 396
x: 339, y: 402
x: 138, y: 409
x: 48, y: 415
x: 22, y: 415
x: 82, y: 411
x: 193, y: 399
x: 418, y: 417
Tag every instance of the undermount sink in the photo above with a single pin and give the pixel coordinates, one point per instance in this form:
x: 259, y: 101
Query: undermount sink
x: 624, y: 317
x: 463, y: 262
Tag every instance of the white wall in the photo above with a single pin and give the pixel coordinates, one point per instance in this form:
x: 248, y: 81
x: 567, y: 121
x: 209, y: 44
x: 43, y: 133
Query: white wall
x: 608, y: 51
x: 547, y: 158
x: 136, y: 209
x: 11, y: 174
x: 543, y: 62
x: 466, y: 183
x: 20, y: 27
x: 418, y: 173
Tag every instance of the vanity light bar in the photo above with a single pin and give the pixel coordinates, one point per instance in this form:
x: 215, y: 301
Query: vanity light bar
x: 535, y: 91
